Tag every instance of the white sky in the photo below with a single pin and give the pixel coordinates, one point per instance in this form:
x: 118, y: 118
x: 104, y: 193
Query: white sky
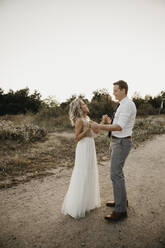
x: 65, y: 47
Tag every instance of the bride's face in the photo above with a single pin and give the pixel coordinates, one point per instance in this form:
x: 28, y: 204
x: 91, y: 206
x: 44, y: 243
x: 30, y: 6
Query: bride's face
x: 84, y: 108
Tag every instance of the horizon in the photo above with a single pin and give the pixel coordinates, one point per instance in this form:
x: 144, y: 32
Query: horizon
x: 80, y: 94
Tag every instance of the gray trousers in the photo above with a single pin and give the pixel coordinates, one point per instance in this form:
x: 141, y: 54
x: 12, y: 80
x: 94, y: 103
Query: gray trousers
x: 119, y: 150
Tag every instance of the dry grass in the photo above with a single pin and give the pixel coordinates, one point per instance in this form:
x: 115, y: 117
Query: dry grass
x: 19, y: 119
x: 23, y: 132
x: 22, y: 161
x: 146, y: 128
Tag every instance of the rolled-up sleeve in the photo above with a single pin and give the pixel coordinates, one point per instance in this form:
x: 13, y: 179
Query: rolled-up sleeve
x: 124, y: 116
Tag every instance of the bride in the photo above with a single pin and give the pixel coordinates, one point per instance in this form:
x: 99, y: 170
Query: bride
x: 83, y: 193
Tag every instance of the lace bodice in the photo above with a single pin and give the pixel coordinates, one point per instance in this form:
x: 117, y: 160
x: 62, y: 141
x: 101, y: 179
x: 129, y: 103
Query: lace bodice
x: 85, y: 122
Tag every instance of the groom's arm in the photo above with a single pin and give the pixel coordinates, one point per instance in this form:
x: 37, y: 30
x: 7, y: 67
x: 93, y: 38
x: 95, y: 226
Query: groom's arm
x: 107, y: 127
x: 105, y: 119
x: 111, y: 127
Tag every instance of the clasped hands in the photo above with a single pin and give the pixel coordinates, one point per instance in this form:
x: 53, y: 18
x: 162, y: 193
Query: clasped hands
x: 96, y: 127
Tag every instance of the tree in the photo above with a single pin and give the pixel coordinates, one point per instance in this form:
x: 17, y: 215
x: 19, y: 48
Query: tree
x: 146, y: 109
x: 101, y: 104
x: 137, y: 99
x: 19, y: 102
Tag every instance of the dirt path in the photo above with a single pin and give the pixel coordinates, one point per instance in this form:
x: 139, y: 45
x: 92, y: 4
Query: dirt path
x: 30, y: 213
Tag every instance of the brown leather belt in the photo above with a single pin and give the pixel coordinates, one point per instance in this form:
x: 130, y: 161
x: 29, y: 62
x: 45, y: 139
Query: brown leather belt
x: 122, y: 137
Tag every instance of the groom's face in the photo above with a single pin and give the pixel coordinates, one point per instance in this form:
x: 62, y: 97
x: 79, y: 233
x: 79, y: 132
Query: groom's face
x: 118, y: 93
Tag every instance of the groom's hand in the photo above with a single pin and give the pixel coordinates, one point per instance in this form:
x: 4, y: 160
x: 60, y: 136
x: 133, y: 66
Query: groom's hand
x: 106, y: 119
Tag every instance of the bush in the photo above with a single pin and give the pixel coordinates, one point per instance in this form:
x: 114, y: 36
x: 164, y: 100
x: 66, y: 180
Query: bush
x: 145, y: 129
x: 24, y: 132
x: 146, y: 109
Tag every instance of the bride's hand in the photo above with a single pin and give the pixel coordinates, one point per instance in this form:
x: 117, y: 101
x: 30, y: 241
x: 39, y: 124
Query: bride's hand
x: 103, y: 119
x: 106, y: 119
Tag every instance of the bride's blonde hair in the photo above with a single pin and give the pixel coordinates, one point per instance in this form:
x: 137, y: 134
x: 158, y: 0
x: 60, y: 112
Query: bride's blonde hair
x: 75, y: 110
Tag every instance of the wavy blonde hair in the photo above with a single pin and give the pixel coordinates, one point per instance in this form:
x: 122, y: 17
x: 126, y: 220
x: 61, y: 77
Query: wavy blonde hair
x: 75, y: 110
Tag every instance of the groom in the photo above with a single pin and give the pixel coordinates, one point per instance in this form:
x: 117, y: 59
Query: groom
x: 121, y: 131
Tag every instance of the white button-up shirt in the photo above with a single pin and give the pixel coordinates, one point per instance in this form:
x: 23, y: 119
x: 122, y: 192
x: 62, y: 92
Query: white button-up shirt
x: 125, y: 118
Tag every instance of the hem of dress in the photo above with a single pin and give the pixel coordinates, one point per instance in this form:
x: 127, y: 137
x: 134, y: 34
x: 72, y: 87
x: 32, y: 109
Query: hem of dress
x: 82, y: 216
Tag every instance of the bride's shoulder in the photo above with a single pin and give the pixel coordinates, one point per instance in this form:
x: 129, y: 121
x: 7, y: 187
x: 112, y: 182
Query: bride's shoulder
x: 79, y: 121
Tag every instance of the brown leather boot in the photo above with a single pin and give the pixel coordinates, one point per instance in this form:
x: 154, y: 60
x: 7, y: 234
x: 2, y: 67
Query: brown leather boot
x: 116, y: 216
x: 112, y: 204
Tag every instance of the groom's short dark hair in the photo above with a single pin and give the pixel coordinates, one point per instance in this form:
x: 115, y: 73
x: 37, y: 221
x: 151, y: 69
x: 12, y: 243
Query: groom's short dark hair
x: 122, y: 85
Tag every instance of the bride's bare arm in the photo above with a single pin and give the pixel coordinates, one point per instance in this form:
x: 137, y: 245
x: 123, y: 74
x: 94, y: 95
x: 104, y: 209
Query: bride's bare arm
x: 105, y: 120
x: 95, y: 130
x: 78, y: 130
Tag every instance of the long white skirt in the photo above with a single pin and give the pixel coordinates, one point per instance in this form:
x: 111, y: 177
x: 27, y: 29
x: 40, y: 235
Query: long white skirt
x: 83, y: 193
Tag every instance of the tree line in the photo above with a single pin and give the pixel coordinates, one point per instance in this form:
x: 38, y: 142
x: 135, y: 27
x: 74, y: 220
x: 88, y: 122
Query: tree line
x: 19, y: 102
x: 22, y: 102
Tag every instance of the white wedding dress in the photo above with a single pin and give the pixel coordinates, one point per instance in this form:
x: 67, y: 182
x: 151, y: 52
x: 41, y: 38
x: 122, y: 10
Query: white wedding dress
x: 83, y: 193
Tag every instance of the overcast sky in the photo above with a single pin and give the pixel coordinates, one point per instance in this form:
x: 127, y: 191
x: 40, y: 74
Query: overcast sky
x: 64, y: 47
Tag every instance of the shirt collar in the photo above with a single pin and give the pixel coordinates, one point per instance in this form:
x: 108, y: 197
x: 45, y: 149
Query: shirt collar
x: 124, y: 100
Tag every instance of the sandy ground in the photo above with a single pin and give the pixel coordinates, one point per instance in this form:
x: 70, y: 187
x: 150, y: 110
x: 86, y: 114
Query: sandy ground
x: 30, y: 214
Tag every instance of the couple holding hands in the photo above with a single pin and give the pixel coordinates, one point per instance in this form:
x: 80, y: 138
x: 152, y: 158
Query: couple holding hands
x: 83, y: 193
